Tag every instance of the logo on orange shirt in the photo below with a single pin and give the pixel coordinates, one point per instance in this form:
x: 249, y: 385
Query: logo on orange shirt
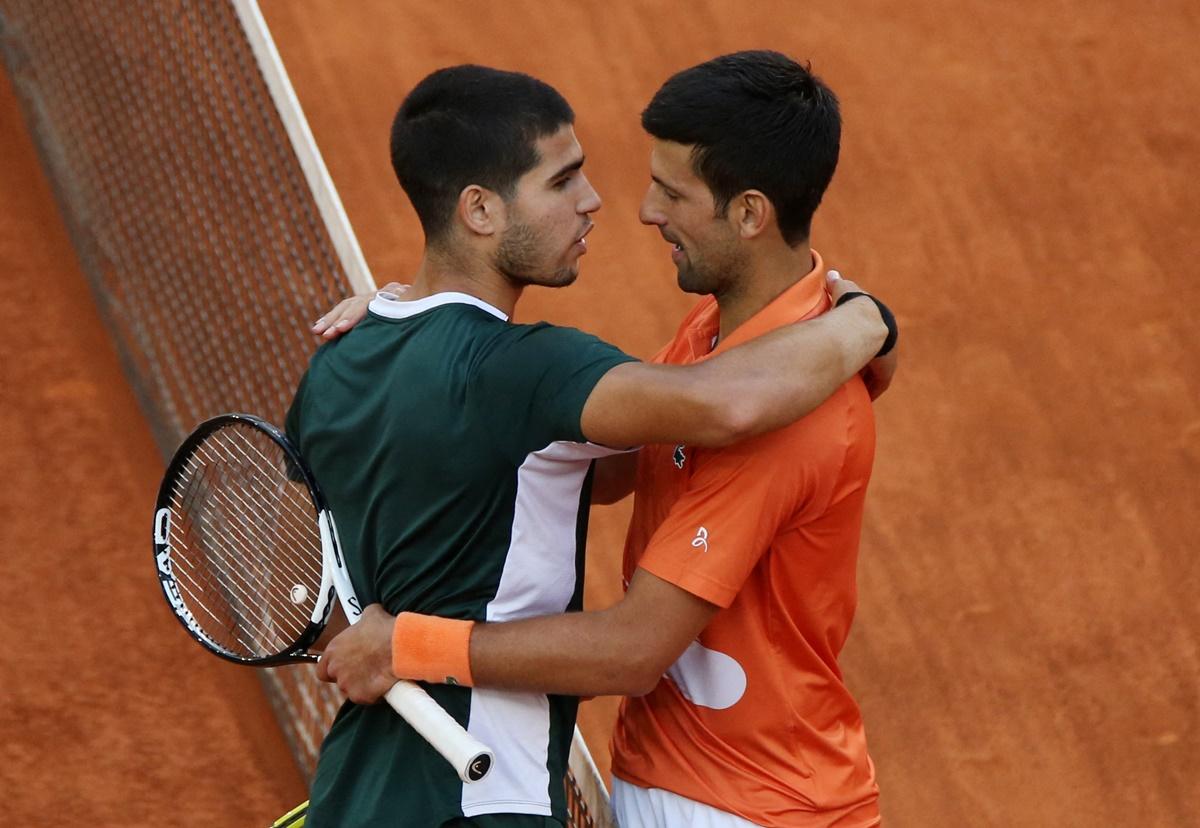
x: 680, y: 457
x: 701, y: 539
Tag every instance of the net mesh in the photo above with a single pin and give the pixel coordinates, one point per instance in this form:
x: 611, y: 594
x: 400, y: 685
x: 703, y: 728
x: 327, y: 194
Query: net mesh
x: 191, y: 217
x: 193, y: 221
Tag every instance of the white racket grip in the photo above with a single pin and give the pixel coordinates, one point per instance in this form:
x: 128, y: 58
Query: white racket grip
x: 471, y: 759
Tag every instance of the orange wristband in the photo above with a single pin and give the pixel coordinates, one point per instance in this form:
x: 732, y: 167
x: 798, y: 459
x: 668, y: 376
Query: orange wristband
x: 428, y: 648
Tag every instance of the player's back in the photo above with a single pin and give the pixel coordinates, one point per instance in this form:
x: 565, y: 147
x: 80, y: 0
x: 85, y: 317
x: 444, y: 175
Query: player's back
x: 447, y: 442
x: 413, y: 463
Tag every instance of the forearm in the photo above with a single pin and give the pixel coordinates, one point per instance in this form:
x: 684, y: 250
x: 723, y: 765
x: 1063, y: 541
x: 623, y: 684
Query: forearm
x: 778, y: 378
x: 762, y: 385
x: 623, y: 650
x: 614, y: 478
x: 577, y: 654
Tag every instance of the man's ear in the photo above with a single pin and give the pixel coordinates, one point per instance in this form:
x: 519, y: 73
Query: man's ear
x: 480, y: 210
x: 751, y: 213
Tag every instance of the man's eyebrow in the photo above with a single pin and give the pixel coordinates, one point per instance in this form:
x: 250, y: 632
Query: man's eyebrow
x: 662, y: 183
x: 569, y: 168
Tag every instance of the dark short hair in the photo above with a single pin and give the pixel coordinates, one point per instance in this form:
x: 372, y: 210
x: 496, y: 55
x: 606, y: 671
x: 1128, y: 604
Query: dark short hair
x: 468, y: 125
x: 758, y: 120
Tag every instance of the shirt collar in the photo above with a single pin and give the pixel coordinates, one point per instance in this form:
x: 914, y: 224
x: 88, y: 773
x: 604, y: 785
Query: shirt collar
x: 391, y: 306
x: 804, y: 299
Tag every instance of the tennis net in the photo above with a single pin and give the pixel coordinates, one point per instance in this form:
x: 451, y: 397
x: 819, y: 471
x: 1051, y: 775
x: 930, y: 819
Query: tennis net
x: 207, y: 225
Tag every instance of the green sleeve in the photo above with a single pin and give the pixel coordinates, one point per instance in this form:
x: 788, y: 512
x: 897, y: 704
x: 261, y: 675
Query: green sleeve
x: 535, y: 379
x: 291, y: 423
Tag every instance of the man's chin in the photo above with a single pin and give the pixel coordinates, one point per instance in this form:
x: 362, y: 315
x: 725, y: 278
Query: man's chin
x: 557, y: 279
x: 688, y: 283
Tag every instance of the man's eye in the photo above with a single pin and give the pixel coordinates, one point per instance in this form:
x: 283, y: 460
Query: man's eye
x: 561, y: 183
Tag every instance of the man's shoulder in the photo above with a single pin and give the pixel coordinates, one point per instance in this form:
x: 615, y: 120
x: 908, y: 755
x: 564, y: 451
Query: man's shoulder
x: 818, y: 438
x: 534, y: 344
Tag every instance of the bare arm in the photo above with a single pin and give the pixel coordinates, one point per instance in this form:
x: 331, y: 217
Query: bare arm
x: 880, y: 372
x: 615, y: 476
x: 760, y: 386
x: 623, y: 650
x: 814, y: 371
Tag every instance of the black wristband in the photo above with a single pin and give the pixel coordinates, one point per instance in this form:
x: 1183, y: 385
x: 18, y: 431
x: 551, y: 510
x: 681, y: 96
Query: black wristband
x: 884, y: 311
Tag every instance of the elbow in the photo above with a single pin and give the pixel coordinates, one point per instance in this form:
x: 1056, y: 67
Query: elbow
x: 636, y: 663
x: 648, y: 680
x: 640, y: 678
x: 651, y: 662
x: 731, y: 420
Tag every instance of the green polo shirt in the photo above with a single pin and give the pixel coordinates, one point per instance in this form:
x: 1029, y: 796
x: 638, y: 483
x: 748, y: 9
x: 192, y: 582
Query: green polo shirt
x: 447, y: 441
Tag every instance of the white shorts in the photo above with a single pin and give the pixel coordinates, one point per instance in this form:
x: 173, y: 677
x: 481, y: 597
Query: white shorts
x: 637, y: 807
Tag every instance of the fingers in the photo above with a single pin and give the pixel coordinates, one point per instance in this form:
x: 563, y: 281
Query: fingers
x: 330, y: 319
x: 344, y: 316
x: 359, y: 658
x: 875, y: 386
x: 839, y: 285
x: 349, y: 312
x: 368, y: 693
x: 337, y: 329
x: 323, y: 668
x: 879, y: 373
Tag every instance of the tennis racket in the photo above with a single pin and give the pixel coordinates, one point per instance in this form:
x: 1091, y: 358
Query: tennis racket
x: 248, y: 559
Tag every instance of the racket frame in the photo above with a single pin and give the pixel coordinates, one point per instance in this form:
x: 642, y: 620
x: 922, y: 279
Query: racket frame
x: 471, y: 759
x: 297, y: 652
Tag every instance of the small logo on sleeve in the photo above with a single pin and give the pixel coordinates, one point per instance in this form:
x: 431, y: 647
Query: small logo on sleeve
x: 701, y: 539
x: 679, y: 457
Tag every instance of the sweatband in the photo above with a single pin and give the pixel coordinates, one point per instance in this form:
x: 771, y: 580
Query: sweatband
x: 884, y: 312
x: 428, y: 648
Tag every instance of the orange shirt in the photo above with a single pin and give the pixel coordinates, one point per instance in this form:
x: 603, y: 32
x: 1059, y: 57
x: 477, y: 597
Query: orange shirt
x: 754, y: 718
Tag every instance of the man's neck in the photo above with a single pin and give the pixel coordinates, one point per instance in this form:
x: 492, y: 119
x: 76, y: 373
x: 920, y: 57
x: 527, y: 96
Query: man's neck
x: 441, y: 273
x: 765, y: 279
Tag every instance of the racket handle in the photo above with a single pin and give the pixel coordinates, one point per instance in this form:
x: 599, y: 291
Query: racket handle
x: 471, y: 758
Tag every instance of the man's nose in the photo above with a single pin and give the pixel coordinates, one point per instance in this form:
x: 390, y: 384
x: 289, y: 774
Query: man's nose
x: 591, y: 200
x: 649, y: 214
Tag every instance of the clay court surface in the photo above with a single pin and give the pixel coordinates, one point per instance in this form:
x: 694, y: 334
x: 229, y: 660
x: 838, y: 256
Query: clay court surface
x: 1019, y: 181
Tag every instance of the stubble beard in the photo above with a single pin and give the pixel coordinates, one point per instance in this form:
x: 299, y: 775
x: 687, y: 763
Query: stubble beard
x: 520, y: 257
x: 714, y: 273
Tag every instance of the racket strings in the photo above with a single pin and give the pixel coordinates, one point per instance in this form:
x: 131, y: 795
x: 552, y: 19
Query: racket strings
x: 234, y: 566
x: 238, y: 555
x: 194, y: 588
x: 301, y: 532
x: 245, y: 543
x: 193, y: 547
x: 302, y: 537
x: 273, y: 464
x: 227, y: 572
x: 242, y: 533
x: 258, y: 514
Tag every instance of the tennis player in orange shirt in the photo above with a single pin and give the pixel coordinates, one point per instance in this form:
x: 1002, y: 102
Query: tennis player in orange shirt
x: 740, y: 562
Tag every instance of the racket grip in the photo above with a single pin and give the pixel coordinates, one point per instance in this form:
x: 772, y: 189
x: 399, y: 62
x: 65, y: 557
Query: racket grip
x: 470, y: 758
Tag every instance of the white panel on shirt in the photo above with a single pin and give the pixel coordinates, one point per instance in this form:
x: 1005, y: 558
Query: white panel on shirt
x: 708, y: 678
x: 538, y: 579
